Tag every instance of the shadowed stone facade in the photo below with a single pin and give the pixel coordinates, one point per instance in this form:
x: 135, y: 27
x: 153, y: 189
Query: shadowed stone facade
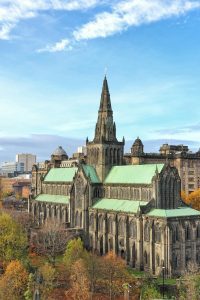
x: 134, y: 210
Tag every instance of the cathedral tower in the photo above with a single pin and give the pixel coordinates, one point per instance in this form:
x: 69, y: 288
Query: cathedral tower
x: 105, y: 151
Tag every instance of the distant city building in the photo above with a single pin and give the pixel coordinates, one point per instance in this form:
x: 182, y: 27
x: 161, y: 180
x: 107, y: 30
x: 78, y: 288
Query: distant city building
x: 11, y: 169
x: 28, y: 159
x: 187, y: 163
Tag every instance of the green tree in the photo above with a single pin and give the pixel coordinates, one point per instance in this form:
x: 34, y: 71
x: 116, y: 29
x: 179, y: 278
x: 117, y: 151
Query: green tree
x: 73, y: 252
x: 48, y: 275
x: 13, y: 240
x: 14, y: 281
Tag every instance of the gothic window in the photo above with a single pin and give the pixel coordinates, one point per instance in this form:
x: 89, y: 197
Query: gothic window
x: 158, y: 260
x: 100, y: 223
x: 55, y: 211
x: 187, y: 233
x: 177, y: 233
x: 198, y: 231
x: 145, y: 258
x: 114, y: 156
x: 118, y: 156
x: 77, y: 219
x: 175, y: 261
x: 111, y: 155
x: 133, y: 229
x: 92, y: 222
x: 157, y: 233
x: 80, y: 224
x: 110, y: 225
x: 146, y: 232
x: 121, y: 227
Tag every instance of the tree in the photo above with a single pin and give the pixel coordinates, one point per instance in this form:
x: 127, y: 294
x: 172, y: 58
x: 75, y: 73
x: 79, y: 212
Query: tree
x: 79, y: 282
x: 48, y: 275
x: 189, y: 285
x: 50, y: 241
x: 73, y: 252
x: 114, y: 274
x: 149, y: 289
x: 193, y: 199
x: 14, y: 281
x: 13, y: 240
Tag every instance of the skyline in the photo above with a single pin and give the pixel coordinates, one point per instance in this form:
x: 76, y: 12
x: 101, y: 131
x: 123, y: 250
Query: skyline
x: 53, y: 60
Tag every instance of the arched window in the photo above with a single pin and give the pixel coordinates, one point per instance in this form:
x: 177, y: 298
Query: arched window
x: 118, y: 156
x: 133, y: 229
x: 121, y: 227
x: 80, y: 224
x: 145, y: 258
x: 146, y: 232
x: 92, y: 222
x: 114, y: 156
x: 100, y: 223
x: 157, y: 233
x: 77, y: 219
x: 158, y: 260
x: 187, y: 232
x: 198, y: 231
x: 110, y: 225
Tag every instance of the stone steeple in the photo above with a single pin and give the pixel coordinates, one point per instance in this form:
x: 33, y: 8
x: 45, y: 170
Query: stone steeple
x: 105, y: 127
x: 105, y: 151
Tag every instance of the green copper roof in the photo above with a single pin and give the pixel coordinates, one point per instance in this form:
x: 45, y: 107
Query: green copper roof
x: 133, y: 174
x: 90, y: 171
x: 173, y: 213
x: 60, y: 175
x: 131, y: 206
x: 53, y: 198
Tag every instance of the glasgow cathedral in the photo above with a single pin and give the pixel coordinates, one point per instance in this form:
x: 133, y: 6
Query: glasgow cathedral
x: 134, y: 210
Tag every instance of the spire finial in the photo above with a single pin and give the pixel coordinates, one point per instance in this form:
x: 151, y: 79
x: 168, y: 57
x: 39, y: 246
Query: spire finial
x: 105, y: 72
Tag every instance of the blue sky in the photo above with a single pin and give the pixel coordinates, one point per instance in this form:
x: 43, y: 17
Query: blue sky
x: 53, y: 56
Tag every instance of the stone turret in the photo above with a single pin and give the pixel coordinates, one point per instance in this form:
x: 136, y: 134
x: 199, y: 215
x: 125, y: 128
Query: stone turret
x: 58, y: 156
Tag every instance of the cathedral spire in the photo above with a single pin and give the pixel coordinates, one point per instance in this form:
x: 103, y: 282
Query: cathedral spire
x: 104, y: 151
x: 105, y: 127
x: 105, y: 103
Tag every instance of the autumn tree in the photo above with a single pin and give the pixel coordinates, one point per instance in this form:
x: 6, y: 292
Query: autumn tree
x: 14, y: 281
x: 189, y: 285
x: 193, y: 199
x: 13, y: 239
x: 79, y: 282
x: 48, y: 275
x: 50, y: 240
x: 73, y: 252
x: 114, y: 274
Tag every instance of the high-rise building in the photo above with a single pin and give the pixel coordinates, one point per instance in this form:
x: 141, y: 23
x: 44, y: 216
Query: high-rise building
x: 28, y: 159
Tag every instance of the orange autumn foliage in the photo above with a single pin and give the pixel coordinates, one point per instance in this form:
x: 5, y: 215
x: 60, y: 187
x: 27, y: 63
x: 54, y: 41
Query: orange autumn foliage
x: 193, y: 199
x: 14, y: 281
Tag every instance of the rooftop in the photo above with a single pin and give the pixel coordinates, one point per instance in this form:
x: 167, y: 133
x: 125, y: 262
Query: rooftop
x: 119, y: 205
x: 173, y: 213
x: 133, y: 174
x: 53, y: 198
x: 60, y: 175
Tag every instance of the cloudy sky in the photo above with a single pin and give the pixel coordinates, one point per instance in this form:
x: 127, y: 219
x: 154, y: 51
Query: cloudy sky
x: 53, y: 57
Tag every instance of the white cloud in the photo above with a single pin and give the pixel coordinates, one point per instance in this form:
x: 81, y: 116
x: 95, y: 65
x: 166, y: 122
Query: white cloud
x: 5, y: 31
x: 13, y: 11
x: 132, y: 13
x: 59, y: 46
x: 120, y: 15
